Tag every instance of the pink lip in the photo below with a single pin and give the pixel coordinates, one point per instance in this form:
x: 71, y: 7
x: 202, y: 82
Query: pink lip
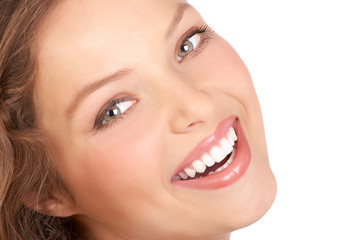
x: 227, y: 176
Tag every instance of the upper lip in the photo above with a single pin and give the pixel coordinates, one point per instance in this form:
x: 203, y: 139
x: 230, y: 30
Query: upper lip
x: 207, y: 143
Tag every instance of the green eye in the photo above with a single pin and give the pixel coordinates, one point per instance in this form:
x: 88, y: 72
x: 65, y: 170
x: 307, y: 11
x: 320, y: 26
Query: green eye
x: 188, y: 46
x: 112, y: 114
x: 185, y: 49
x: 115, y: 110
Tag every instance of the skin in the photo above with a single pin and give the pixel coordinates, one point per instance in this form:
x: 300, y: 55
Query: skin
x: 120, y: 176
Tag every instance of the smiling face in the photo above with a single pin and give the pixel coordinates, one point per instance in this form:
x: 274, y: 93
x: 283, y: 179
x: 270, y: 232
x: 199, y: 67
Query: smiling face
x: 131, y: 93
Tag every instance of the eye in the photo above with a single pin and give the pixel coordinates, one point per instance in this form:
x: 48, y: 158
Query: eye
x: 114, y: 111
x: 117, y: 110
x: 194, y: 42
x: 188, y: 46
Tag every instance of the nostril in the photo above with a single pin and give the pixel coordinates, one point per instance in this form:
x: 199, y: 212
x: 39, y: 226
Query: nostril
x: 182, y: 125
x: 195, y: 123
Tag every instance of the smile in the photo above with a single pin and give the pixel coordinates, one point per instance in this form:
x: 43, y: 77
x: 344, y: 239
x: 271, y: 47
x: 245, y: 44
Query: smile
x: 218, y: 160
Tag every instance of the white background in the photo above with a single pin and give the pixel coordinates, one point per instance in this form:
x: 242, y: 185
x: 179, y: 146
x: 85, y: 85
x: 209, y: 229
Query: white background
x: 305, y: 60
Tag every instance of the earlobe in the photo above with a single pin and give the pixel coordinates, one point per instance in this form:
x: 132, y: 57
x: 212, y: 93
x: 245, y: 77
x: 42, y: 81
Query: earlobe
x: 58, y: 206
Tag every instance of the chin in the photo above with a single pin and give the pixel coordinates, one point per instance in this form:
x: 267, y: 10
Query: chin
x: 261, y: 195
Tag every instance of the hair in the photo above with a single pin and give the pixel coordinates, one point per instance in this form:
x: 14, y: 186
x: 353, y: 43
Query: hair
x: 25, y: 162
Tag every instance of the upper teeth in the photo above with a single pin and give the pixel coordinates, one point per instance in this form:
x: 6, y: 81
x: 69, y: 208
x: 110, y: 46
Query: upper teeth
x: 216, y: 154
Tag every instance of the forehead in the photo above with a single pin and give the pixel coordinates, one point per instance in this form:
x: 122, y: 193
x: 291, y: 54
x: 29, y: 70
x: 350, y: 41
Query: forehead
x: 77, y: 30
x: 82, y: 41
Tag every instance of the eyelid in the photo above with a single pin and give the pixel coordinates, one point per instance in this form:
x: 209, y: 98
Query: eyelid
x: 206, y: 34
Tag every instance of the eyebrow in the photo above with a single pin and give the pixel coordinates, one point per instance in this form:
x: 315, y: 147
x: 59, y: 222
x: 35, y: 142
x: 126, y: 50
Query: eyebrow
x: 182, y: 7
x: 92, y: 87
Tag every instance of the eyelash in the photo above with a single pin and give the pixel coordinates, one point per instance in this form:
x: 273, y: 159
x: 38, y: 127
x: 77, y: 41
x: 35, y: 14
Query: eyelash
x: 206, y: 33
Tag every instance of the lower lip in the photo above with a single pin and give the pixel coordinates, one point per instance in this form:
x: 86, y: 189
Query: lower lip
x: 229, y: 175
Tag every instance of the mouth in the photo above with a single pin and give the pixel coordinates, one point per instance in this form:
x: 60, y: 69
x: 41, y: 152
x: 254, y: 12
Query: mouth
x: 218, y: 160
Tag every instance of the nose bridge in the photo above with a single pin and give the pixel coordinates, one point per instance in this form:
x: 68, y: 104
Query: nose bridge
x: 188, y: 105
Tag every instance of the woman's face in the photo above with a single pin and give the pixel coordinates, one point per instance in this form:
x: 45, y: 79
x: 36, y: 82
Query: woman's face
x: 133, y: 92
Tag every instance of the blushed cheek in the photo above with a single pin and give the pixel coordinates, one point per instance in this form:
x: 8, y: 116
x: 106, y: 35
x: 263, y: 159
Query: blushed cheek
x: 235, y: 72
x: 113, y: 181
x: 123, y: 164
x: 222, y: 69
x: 114, y: 166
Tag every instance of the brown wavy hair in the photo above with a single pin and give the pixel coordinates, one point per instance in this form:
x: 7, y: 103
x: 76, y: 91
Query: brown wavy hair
x: 25, y: 162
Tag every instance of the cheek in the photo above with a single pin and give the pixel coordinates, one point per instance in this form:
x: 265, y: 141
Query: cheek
x: 233, y: 73
x: 221, y: 69
x: 123, y: 163
x: 108, y: 168
x: 224, y: 71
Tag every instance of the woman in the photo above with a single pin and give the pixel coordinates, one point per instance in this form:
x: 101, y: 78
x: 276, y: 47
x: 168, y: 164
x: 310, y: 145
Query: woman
x: 125, y: 120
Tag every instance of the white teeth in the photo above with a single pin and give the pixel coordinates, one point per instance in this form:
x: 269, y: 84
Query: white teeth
x: 226, y: 165
x: 208, y: 160
x: 230, y: 139
x: 226, y: 146
x: 190, y: 172
x: 199, y: 166
x: 233, y: 134
x: 183, y: 175
x: 229, y: 161
x: 218, y: 154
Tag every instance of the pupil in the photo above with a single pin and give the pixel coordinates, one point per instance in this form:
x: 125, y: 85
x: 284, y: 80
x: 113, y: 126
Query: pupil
x: 185, y: 48
x: 111, y: 113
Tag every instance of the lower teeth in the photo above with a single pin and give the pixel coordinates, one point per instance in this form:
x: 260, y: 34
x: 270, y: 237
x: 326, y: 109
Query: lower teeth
x: 229, y: 161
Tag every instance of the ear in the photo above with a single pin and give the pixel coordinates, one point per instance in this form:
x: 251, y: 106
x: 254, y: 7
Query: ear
x: 57, y: 206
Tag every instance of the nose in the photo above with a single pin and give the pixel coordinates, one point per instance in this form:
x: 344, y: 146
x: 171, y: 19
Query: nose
x: 190, y: 107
